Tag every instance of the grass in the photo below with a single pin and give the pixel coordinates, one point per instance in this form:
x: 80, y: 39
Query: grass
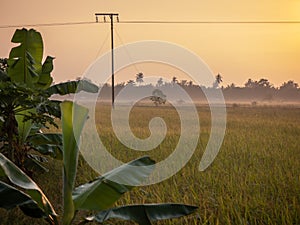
x: 255, y: 178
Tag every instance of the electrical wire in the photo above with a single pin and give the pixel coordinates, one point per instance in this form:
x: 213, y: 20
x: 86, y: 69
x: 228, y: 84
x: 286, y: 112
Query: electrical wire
x: 102, y: 46
x: 151, y: 22
x: 127, y: 52
x: 211, y: 22
x: 47, y: 24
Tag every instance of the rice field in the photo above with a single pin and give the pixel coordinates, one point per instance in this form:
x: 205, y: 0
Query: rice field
x: 255, y: 179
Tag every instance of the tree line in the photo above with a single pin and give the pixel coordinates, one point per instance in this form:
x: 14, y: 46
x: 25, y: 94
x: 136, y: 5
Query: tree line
x: 261, y: 90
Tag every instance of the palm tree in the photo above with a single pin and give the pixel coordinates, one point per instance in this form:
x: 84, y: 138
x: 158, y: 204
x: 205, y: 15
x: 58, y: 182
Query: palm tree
x: 174, y: 80
x: 219, y: 79
x: 139, y: 78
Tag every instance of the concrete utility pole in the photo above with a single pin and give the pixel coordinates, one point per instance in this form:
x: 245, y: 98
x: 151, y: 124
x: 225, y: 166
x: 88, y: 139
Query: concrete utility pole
x: 111, y: 16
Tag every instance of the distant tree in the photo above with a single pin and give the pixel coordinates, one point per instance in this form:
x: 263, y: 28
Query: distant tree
x: 106, y: 85
x: 218, y: 81
x: 130, y: 82
x: 232, y: 85
x: 174, y: 80
x: 159, y: 82
x: 250, y: 83
x: 139, y: 78
x: 289, y: 85
x: 261, y: 83
x: 264, y: 83
x: 183, y: 82
x: 158, y: 97
x: 122, y: 84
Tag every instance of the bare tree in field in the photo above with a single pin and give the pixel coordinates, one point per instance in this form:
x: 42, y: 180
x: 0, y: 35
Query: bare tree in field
x: 158, y: 97
x: 159, y: 82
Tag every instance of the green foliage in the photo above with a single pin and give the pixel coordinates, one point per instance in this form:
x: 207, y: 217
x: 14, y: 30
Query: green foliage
x: 254, y: 179
x: 71, y: 128
x: 72, y: 87
x: 12, y: 197
x: 47, y: 144
x: 99, y: 194
x: 35, y: 197
x: 25, y: 61
x: 144, y: 214
x: 25, y: 103
x: 158, y: 97
x: 25, y: 108
x: 22, y: 97
x: 102, y: 192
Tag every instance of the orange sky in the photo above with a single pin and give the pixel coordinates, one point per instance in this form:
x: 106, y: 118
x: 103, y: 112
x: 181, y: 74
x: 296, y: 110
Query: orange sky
x: 237, y: 51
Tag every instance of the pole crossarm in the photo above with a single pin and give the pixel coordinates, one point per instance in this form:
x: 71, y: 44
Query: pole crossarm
x: 106, y: 14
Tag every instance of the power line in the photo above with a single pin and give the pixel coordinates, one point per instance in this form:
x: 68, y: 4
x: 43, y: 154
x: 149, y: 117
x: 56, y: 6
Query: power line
x: 127, y: 52
x: 46, y: 24
x: 211, y: 22
x: 153, y: 22
x: 102, y: 46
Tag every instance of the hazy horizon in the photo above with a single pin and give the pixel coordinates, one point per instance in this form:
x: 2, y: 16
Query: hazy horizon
x: 236, y: 51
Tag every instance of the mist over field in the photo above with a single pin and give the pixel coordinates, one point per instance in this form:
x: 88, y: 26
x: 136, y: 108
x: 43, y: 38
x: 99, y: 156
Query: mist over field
x: 287, y: 94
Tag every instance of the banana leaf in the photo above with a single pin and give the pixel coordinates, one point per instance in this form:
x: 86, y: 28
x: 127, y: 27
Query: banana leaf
x: 21, y: 180
x: 144, y: 214
x: 103, y: 192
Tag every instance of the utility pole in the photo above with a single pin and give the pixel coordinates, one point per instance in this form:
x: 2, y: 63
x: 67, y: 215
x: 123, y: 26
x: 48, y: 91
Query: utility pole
x: 111, y: 16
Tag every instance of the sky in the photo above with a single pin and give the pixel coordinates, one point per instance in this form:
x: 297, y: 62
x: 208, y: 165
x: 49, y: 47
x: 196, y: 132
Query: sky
x: 236, y: 51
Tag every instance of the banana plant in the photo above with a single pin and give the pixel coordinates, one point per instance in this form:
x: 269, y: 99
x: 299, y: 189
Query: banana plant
x: 25, y: 102
x: 25, y: 193
x: 99, y: 194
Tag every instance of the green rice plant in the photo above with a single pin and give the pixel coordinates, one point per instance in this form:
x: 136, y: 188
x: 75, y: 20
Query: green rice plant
x: 98, y: 194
